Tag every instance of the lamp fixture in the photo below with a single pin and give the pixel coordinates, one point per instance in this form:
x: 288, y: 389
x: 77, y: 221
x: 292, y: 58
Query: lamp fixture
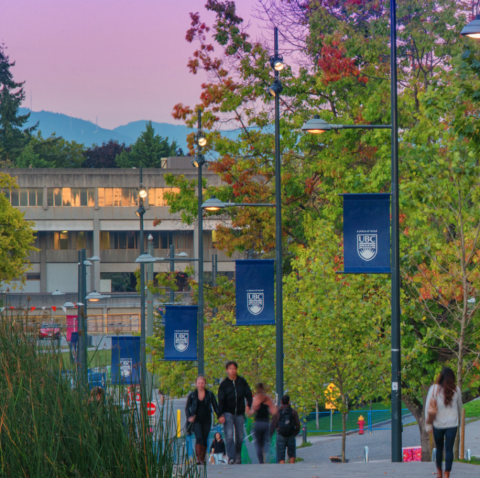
x: 57, y: 292
x: 316, y: 126
x: 198, y: 160
x: 276, y: 62
x: 472, y: 29
x: 93, y: 258
x: 200, y: 138
x: 145, y: 258
x: 275, y: 89
x: 140, y: 211
x: 142, y: 192
x: 68, y: 304
x: 213, y: 204
x: 94, y: 296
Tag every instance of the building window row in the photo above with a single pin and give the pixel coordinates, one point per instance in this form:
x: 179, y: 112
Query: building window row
x: 131, y: 240
x: 71, y: 197
x: 24, y: 196
x: 78, y: 197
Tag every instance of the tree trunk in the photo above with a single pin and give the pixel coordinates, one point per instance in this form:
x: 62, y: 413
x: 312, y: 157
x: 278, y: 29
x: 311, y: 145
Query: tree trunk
x: 344, y: 435
x: 317, y: 421
x: 417, y: 411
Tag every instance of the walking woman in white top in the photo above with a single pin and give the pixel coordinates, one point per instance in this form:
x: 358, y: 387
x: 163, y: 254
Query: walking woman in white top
x: 445, y: 424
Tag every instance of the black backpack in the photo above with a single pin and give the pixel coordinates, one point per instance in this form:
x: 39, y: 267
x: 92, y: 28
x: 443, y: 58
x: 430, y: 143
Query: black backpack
x: 286, y: 423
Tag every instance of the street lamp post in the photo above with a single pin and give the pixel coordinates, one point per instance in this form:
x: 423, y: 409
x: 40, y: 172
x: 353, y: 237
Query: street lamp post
x: 198, y: 162
x: 142, y: 194
x: 316, y: 126
x: 276, y: 62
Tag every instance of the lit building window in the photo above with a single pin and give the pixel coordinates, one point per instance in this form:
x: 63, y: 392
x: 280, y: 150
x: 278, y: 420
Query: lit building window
x: 127, y: 197
x: 156, y: 195
x: 76, y: 197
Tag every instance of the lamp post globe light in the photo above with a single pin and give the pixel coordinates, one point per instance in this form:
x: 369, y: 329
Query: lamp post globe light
x: 318, y: 126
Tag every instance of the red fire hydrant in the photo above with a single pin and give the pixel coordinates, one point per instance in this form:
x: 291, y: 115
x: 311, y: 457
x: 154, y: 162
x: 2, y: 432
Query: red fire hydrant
x: 361, y: 424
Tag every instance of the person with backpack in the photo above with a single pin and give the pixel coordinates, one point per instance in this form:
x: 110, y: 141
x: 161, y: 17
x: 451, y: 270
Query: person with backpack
x: 263, y: 407
x: 232, y: 394
x: 287, y: 425
x: 198, y: 410
x: 443, y: 409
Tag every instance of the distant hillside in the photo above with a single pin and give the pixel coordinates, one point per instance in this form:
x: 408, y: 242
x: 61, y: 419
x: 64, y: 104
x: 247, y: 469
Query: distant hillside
x: 170, y: 131
x: 86, y: 132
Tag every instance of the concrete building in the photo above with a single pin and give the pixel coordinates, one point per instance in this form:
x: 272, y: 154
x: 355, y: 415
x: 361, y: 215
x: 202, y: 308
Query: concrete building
x: 95, y: 209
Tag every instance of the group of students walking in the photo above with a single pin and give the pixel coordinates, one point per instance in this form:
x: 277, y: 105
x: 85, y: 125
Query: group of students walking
x: 442, y: 412
x: 235, y: 400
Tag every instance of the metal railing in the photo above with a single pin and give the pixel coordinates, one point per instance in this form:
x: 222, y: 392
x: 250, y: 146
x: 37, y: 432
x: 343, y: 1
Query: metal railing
x: 331, y: 422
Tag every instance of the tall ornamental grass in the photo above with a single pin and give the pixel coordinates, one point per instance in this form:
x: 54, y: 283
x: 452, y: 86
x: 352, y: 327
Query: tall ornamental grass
x: 49, y: 429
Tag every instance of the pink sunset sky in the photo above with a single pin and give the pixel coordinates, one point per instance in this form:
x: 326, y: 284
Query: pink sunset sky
x: 118, y: 60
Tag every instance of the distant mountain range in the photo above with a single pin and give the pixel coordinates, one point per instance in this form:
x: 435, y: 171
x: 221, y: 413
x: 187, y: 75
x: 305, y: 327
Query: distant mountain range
x: 88, y: 133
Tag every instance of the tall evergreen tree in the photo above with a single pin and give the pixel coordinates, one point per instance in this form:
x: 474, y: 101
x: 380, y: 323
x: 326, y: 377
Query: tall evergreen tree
x: 148, y: 151
x: 12, y: 137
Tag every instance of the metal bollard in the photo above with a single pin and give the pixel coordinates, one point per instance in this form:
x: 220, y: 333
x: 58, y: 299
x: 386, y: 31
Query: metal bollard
x: 434, y: 454
x: 304, y: 434
x: 469, y: 455
x: 365, y: 454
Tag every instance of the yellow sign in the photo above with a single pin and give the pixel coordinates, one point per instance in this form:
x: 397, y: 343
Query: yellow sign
x: 331, y: 393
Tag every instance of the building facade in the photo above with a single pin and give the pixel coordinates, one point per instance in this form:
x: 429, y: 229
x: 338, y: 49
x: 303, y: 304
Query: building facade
x: 95, y: 209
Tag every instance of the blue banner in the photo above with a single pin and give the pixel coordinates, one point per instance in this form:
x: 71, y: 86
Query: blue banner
x: 255, y: 291
x: 181, y: 332
x: 125, y: 360
x: 366, y: 233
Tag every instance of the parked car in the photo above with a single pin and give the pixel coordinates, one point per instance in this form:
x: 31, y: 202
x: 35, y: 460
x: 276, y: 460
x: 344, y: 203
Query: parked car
x: 49, y: 330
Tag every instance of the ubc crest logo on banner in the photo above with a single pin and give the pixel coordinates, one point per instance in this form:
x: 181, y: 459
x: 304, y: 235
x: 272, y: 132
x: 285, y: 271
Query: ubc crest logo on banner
x: 181, y: 340
x: 367, y: 246
x: 255, y: 302
x: 125, y: 367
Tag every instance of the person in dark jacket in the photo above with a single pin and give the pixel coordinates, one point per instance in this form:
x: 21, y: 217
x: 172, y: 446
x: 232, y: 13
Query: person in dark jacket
x: 218, y: 449
x: 232, y: 394
x: 287, y: 424
x: 263, y: 407
x: 198, y: 410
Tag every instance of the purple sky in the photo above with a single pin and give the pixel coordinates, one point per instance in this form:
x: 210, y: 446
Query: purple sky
x: 120, y: 60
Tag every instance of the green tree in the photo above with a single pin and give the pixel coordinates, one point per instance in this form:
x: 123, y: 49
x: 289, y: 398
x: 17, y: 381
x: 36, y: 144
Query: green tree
x: 342, y: 71
x: 52, y: 152
x: 12, y: 137
x: 16, y: 236
x: 147, y: 151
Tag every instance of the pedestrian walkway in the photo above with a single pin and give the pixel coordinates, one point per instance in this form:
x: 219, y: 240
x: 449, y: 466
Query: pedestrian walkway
x: 344, y: 470
x: 472, y: 438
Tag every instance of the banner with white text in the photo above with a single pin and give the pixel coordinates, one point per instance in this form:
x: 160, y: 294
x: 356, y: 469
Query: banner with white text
x: 255, y: 291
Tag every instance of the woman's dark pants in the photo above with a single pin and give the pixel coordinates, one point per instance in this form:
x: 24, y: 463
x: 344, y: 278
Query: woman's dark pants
x: 262, y: 437
x: 447, y: 434
x: 201, y: 431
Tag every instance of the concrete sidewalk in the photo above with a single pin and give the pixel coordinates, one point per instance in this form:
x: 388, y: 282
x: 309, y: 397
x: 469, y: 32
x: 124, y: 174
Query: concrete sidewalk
x: 356, y: 470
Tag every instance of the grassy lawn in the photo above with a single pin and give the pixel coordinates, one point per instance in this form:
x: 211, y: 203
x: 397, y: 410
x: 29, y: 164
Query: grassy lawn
x: 98, y: 358
x: 472, y: 409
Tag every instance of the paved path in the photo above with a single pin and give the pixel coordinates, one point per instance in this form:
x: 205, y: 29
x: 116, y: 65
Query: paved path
x: 356, y: 470
x: 472, y: 438
x: 378, y: 442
